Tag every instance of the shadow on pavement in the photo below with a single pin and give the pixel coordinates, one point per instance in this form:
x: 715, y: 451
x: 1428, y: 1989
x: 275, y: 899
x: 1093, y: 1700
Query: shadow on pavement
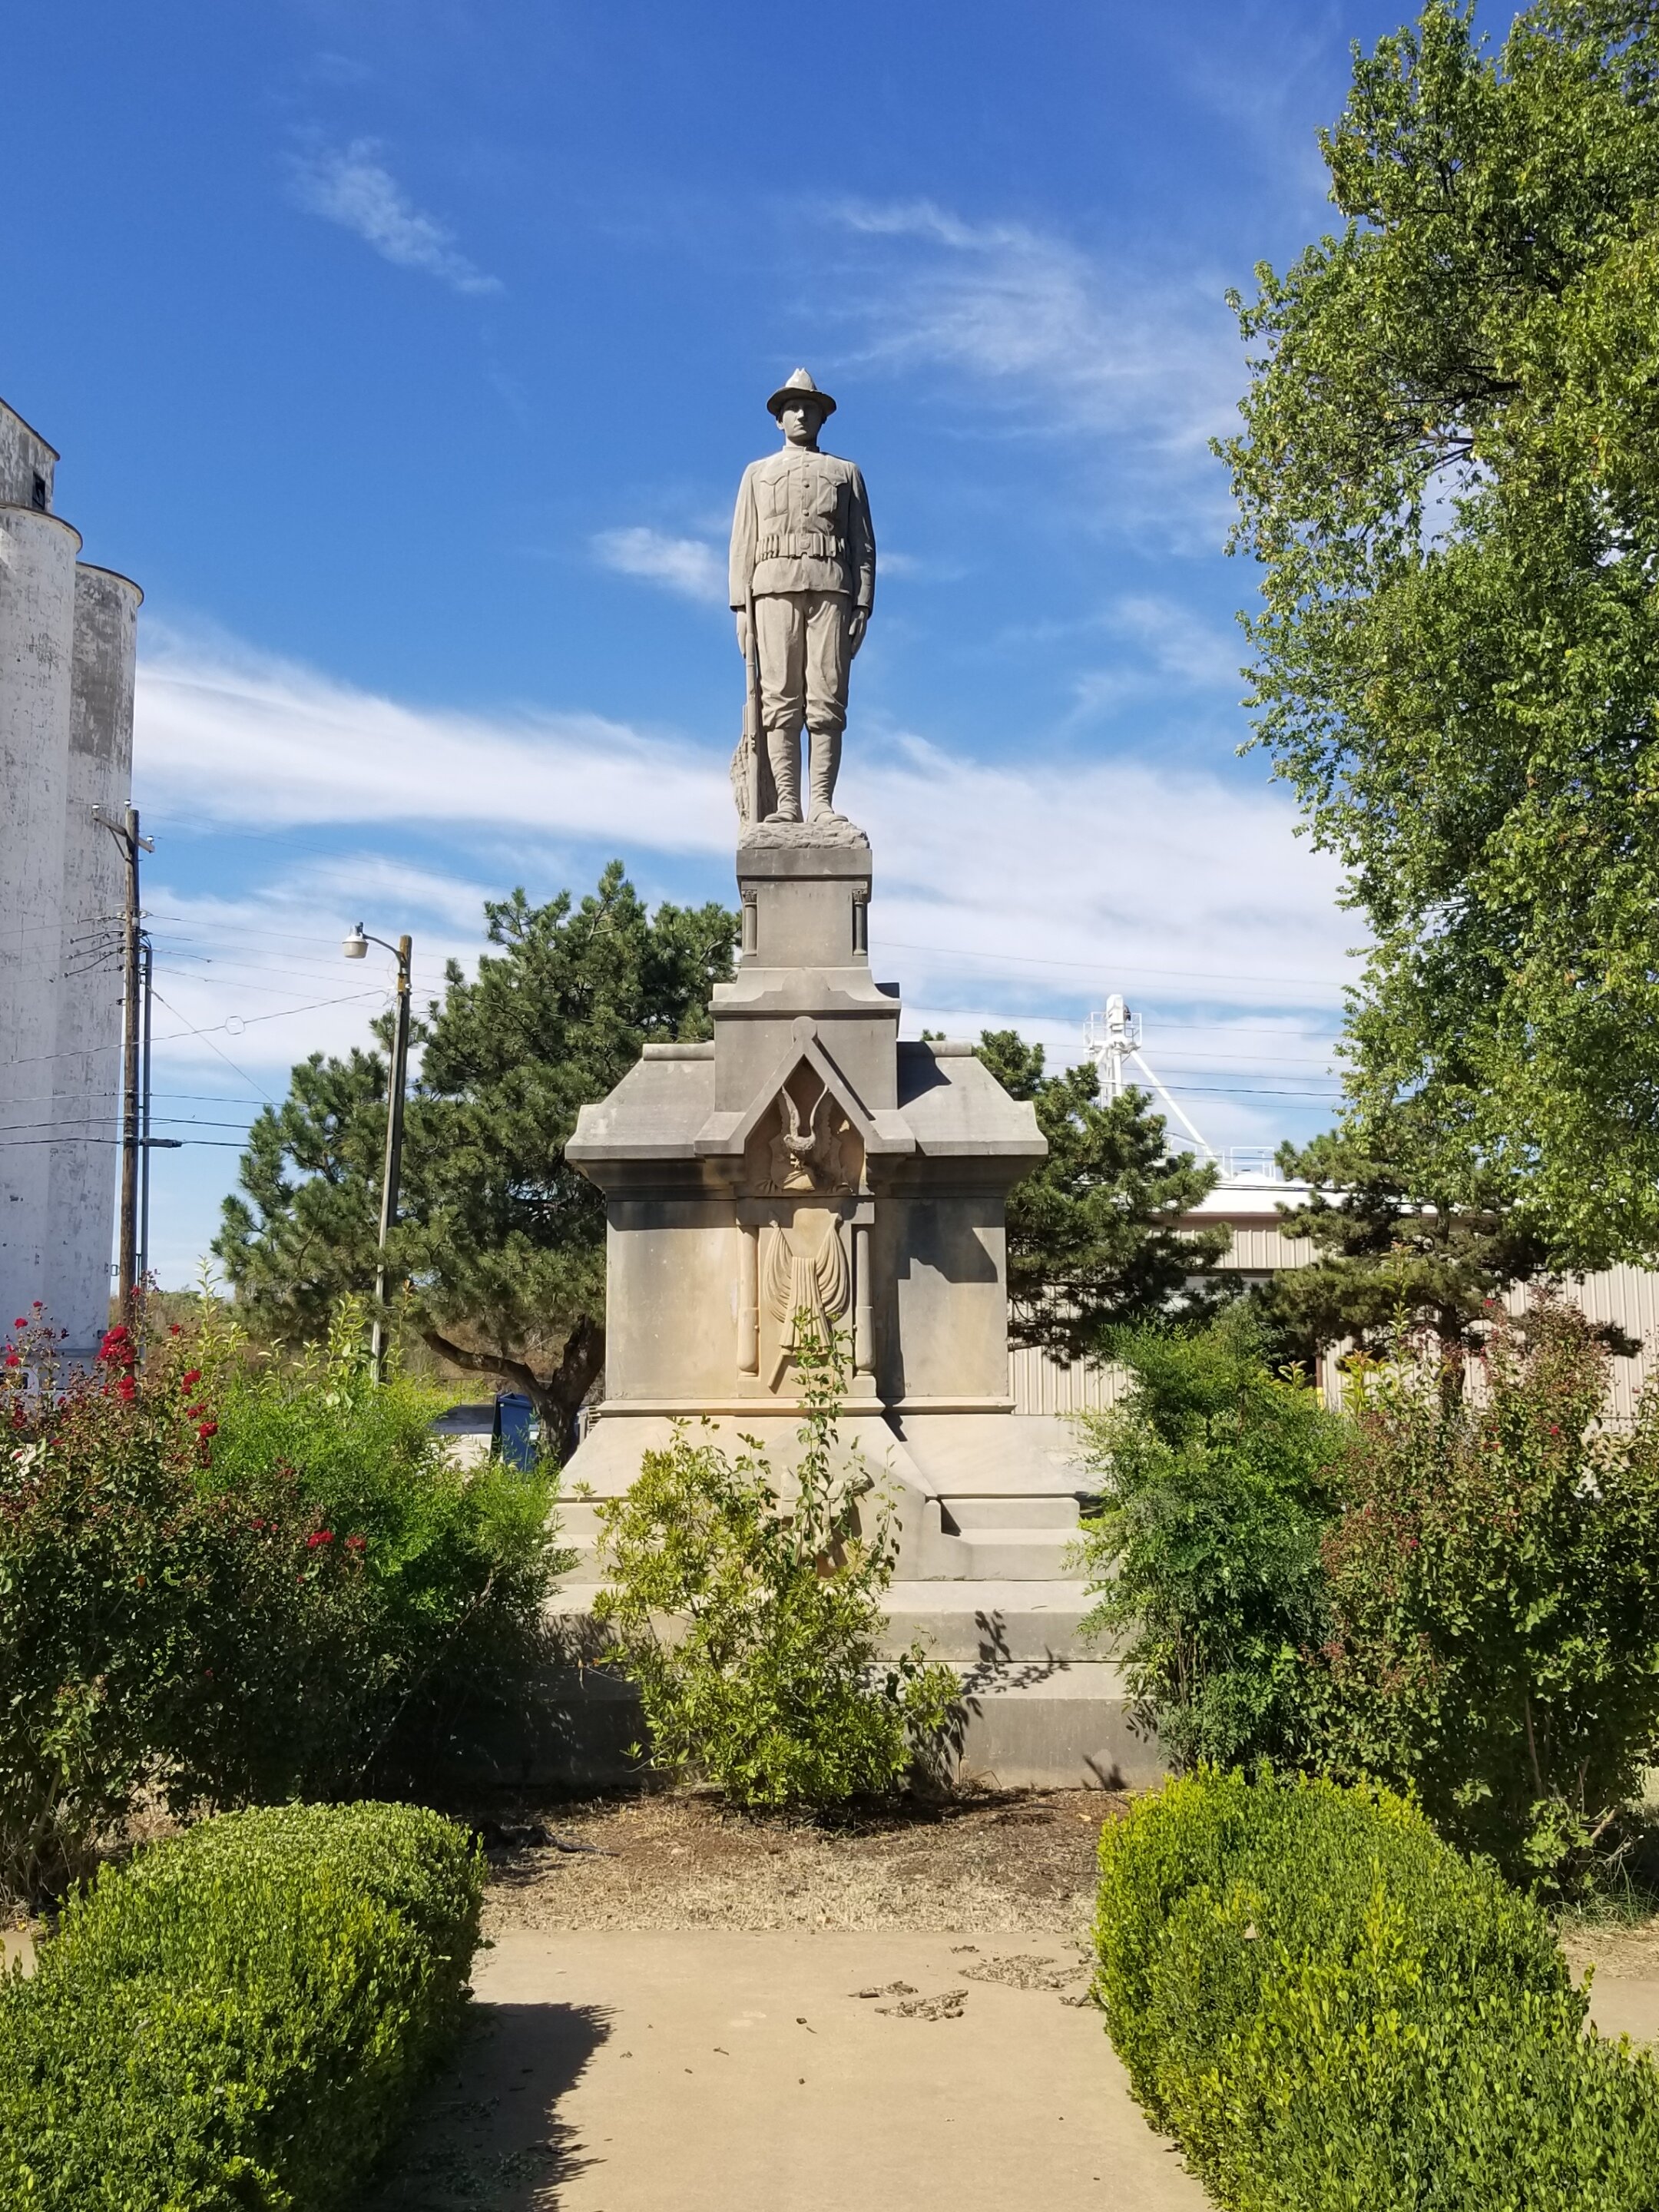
x: 490, y: 2139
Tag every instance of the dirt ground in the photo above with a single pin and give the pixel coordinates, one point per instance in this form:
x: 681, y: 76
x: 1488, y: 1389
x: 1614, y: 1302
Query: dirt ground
x: 1004, y: 1864
x: 1618, y: 1950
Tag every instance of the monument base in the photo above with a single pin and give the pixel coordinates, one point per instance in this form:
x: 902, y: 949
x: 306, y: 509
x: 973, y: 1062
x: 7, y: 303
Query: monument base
x: 804, y: 1162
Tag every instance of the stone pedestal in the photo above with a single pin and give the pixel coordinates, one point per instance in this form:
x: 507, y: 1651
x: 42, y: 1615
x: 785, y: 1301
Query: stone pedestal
x: 804, y: 1159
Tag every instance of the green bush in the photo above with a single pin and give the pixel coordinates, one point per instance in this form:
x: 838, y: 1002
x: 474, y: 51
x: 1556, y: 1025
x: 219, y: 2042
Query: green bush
x: 1203, y: 1556
x: 1332, y: 2011
x: 240, y: 2018
x: 229, y: 1582
x: 766, y: 1679
x: 456, y: 1562
x: 1494, y: 1587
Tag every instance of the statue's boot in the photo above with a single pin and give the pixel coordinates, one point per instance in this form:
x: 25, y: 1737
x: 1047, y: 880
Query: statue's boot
x: 826, y: 768
x: 783, y: 750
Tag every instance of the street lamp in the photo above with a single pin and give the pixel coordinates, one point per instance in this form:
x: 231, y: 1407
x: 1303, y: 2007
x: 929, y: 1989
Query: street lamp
x: 355, y: 947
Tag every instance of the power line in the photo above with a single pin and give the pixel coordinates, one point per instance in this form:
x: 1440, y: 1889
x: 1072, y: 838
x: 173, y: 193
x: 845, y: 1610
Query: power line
x: 204, y: 1032
x: 1097, y: 967
x: 225, y: 1056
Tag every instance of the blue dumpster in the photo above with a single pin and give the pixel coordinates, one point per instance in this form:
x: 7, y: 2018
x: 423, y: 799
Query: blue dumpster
x: 515, y: 1436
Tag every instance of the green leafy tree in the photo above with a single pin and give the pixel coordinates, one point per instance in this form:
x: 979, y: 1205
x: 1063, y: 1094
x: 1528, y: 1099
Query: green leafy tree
x: 1094, y: 1239
x: 501, y: 1243
x: 1448, y: 472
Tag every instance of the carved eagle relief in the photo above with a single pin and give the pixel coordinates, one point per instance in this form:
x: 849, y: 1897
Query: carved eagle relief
x: 806, y: 1156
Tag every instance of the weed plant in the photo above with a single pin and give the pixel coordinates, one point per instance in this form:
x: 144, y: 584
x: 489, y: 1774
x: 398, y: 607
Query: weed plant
x: 748, y: 1609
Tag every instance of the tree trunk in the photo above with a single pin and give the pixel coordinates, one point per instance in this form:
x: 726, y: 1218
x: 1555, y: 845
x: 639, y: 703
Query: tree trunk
x: 558, y: 1397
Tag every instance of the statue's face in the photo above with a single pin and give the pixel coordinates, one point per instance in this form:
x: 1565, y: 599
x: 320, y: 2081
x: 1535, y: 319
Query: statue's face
x: 800, y: 420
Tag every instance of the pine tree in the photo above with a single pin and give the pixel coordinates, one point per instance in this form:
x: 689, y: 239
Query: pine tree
x: 500, y: 1246
x: 1094, y: 1237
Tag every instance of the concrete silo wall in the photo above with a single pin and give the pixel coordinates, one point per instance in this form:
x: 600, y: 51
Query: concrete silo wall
x: 37, y: 645
x: 28, y: 463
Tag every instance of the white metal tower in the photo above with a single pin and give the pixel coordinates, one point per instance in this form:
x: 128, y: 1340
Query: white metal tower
x: 1113, y: 1039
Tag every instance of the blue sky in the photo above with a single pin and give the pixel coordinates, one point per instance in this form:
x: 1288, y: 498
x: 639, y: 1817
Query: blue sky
x: 408, y: 355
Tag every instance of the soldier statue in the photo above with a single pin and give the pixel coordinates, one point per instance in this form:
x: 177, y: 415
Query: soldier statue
x: 803, y: 581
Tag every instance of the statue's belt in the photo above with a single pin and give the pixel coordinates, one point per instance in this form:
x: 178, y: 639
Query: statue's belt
x: 802, y: 545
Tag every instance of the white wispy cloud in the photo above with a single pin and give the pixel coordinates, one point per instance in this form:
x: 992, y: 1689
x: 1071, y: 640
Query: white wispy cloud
x: 353, y: 188
x: 1090, y: 341
x: 1095, y: 864
x: 688, y: 566
x: 245, y: 738
x: 1177, y: 642
x: 1165, y: 650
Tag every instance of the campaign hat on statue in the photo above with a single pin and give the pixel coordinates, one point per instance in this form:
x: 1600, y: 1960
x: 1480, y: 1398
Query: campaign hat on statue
x: 799, y: 385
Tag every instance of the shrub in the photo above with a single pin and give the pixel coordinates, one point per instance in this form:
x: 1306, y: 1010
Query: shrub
x: 1494, y: 1581
x: 457, y: 1562
x: 1204, y: 1553
x: 228, y: 1583
x: 131, y: 1604
x: 768, y: 1681
x: 240, y: 2017
x: 1332, y: 2011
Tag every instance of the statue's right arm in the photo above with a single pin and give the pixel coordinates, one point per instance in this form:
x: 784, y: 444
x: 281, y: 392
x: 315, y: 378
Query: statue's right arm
x: 742, y: 564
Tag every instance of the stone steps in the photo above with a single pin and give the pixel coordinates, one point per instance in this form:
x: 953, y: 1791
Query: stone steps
x: 1043, y: 1707
x: 967, y: 1515
x: 1018, y: 1554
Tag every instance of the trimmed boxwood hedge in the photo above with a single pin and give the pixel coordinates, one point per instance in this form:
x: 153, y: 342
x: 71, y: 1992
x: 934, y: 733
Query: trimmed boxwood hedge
x: 1332, y: 2011
x: 240, y: 2016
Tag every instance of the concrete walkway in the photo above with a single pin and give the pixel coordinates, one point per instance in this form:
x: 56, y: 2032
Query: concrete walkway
x: 1625, y: 2005
x: 716, y: 2071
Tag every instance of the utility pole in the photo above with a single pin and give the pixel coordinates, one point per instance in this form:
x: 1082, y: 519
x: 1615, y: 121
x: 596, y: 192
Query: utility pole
x: 126, y: 834
x: 355, y: 947
x: 145, y: 1139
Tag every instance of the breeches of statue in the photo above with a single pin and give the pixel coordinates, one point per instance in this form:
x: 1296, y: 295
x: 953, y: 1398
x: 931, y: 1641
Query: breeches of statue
x: 801, y: 639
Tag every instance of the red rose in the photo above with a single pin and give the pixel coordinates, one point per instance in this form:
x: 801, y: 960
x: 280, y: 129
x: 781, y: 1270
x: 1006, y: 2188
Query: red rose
x: 126, y: 1388
x: 12, y: 1360
x: 321, y: 1536
x: 356, y: 1543
x: 20, y: 1322
x: 208, y: 1429
x: 190, y: 1378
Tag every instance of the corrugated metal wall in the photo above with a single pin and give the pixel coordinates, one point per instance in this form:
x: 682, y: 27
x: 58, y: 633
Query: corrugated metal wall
x: 1257, y: 1251
x: 1039, y: 1384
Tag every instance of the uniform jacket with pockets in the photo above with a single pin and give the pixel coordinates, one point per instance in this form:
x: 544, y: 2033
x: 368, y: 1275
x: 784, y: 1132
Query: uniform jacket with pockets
x: 803, y: 524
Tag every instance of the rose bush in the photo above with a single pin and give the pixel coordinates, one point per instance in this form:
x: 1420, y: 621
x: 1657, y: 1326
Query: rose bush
x: 220, y: 1585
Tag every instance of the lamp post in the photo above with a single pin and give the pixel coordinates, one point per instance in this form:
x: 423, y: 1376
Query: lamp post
x: 355, y: 947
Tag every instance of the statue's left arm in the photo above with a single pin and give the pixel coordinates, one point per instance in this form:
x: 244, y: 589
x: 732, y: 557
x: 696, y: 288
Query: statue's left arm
x: 860, y: 555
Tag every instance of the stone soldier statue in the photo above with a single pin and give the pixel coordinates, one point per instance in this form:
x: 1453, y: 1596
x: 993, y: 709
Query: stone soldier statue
x: 803, y: 580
